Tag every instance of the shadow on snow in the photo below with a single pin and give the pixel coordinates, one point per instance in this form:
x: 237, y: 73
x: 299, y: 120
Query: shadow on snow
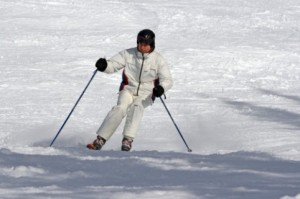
x: 266, y: 113
x: 90, y: 173
x: 289, y: 97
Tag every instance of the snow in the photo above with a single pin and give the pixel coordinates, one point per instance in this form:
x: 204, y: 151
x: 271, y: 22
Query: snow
x: 79, y: 173
x: 235, y: 98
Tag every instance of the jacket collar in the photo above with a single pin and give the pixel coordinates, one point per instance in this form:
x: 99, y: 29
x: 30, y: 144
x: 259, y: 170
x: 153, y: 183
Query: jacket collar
x: 140, y: 55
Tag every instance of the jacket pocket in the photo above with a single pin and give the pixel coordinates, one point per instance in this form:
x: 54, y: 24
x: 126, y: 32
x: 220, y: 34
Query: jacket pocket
x: 149, y: 75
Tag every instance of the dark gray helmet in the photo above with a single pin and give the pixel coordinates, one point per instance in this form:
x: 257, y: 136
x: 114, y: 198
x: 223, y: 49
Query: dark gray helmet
x: 146, y: 36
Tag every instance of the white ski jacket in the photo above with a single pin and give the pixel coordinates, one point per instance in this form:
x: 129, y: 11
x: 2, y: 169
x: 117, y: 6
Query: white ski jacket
x: 141, y: 72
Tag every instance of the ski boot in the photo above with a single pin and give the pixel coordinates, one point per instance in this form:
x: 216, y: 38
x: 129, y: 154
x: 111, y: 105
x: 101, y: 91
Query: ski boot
x: 97, y: 144
x: 126, y: 144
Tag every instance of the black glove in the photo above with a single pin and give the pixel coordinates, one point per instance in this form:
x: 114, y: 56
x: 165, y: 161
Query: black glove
x: 158, y: 91
x: 101, y: 64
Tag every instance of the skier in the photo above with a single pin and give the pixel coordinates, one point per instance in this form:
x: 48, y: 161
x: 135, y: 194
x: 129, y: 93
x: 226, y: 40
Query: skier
x: 145, y: 76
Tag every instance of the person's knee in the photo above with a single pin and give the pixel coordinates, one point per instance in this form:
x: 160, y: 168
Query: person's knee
x: 120, y: 109
x: 138, y: 105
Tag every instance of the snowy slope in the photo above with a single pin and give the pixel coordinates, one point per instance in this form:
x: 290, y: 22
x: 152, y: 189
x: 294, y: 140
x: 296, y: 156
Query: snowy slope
x: 75, y: 173
x: 236, y: 99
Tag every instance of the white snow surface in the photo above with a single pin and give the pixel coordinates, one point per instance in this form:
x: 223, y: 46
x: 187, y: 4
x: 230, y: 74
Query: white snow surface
x: 236, y: 69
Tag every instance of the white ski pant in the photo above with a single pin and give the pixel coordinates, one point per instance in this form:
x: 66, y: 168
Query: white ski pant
x: 130, y: 106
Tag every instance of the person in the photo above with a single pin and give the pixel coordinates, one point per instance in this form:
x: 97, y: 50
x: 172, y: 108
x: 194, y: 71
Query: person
x: 145, y: 76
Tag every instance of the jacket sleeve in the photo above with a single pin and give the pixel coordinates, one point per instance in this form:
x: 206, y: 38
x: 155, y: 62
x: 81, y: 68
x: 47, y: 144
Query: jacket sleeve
x: 164, y: 75
x: 116, y: 63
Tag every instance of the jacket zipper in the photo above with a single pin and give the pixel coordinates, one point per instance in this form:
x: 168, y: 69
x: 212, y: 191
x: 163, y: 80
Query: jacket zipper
x: 137, y: 93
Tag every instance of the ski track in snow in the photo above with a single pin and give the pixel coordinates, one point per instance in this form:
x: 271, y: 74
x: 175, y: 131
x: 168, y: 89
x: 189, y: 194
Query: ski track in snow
x: 235, y: 98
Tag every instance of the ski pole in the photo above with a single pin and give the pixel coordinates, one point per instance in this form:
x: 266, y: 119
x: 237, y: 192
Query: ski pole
x: 73, y: 108
x: 189, y: 150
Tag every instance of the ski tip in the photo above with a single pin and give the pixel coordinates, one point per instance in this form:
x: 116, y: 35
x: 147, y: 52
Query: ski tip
x: 90, y: 146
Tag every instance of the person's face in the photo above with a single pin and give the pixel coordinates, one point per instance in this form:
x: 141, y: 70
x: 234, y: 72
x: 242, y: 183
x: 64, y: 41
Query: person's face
x: 144, y: 48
